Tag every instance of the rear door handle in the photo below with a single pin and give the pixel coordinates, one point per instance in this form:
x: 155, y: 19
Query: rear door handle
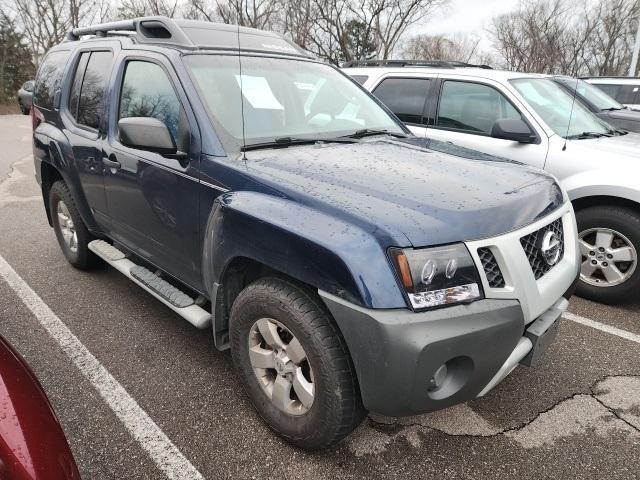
x: 111, y: 163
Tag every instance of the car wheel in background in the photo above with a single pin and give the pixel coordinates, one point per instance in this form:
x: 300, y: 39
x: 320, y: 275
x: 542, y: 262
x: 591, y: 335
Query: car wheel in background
x: 71, y: 231
x: 24, y: 110
x: 609, y: 238
x: 294, y: 364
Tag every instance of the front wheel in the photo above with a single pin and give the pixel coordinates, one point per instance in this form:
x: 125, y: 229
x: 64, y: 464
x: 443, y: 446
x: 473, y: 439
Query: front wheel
x: 609, y: 239
x: 294, y: 364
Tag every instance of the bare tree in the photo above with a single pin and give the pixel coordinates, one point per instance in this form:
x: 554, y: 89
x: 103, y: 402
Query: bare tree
x: 343, y: 30
x: 263, y: 14
x: 46, y: 22
x: 395, y: 17
x: 141, y: 8
x: 608, y: 50
x: 567, y: 37
x: 461, y: 48
x: 535, y: 36
x: 299, y: 21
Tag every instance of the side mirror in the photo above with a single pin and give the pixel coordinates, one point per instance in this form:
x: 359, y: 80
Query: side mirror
x: 513, y: 129
x: 147, y: 133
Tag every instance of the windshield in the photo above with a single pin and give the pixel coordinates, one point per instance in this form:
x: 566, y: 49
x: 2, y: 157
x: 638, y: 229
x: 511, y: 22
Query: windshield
x: 592, y: 94
x: 554, y: 105
x: 282, y: 98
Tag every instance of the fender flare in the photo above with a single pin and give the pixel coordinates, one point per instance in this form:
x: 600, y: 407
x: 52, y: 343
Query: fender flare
x: 303, y: 243
x: 52, y: 147
x: 594, y: 183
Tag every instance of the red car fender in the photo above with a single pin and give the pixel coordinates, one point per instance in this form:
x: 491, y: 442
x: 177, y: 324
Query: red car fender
x: 32, y: 443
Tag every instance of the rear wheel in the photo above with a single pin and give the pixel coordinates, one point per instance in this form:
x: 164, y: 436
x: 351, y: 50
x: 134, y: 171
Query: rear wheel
x: 24, y: 110
x: 294, y: 364
x: 609, y: 239
x: 71, y: 232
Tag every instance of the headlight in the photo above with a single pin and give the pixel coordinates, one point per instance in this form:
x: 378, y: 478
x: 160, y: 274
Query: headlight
x: 437, y: 276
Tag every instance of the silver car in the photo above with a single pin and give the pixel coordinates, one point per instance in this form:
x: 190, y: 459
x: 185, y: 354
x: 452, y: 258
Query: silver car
x: 25, y: 95
x: 525, y: 117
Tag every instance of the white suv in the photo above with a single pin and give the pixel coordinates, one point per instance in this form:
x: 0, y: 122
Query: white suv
x: 525, y: 117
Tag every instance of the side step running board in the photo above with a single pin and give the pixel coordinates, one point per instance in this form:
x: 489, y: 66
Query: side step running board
x: 172, y: 297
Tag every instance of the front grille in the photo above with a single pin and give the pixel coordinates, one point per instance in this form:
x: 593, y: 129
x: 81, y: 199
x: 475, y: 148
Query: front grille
x: 531, y: 245
x: 491, y: 268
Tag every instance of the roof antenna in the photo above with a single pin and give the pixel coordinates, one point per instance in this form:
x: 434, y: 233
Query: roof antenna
x: 573, y: 101
x: 244, y: 140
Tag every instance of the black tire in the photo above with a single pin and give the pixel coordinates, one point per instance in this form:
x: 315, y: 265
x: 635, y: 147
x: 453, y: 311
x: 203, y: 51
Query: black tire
x: 337, y: 407
x: 82, y: 258
x: 626, y: 222
x: 24, y: 110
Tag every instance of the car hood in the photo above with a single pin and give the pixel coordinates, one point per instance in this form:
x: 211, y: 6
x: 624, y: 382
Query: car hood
x: 627, y: 114
x: 403, y: 191
x: 625, y: 147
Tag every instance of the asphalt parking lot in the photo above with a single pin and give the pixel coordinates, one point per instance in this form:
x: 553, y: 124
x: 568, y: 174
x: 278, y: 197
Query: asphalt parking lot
x: 97, y: 343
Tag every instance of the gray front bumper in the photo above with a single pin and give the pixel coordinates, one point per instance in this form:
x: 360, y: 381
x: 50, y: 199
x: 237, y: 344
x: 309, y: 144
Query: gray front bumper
x: 397, y: 352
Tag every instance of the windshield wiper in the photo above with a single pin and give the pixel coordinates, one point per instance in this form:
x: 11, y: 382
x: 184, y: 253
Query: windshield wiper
x: 583, y: 135
x: 612, y: 109
x: 366, y: 132
x: 283, y: 142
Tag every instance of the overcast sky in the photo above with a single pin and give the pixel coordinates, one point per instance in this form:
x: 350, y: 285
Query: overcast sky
x: 467, y: 17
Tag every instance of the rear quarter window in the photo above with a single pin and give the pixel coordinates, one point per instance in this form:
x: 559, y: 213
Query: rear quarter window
x: 92, y: 90
x: 49, y: 78
x: 406, y: 97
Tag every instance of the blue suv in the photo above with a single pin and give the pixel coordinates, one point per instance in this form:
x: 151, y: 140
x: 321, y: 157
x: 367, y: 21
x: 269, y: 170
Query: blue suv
x: 256, y: 191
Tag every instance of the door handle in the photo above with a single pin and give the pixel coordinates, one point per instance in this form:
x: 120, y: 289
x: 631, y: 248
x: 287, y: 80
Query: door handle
x: 111, y: 163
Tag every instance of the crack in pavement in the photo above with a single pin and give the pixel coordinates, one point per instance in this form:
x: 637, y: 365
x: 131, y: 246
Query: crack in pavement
x: 613, y: 405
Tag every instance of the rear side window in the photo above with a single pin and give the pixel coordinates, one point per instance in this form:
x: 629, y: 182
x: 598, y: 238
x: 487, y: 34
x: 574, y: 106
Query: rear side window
x: 472, y: 107
x: 148, y: 92
x: 622, y: 93
x: 405, y: 97
x: 49, y: 79
x: 85, y: 102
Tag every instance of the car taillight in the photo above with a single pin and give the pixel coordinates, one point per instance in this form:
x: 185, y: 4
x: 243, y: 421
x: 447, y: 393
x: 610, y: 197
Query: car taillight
x: 36, y: 118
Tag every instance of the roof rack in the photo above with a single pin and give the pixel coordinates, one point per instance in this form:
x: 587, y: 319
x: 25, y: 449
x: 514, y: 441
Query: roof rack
x: 192, y: 34
x: 144, y: 28
x: 412, y: 63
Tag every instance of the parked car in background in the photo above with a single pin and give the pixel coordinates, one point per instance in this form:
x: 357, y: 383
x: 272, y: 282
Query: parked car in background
x: 32, y: 443
x: 625, y: 90
x: 525, y: 117
x: 600, y: 104
x: 25, y: 95
x: 346, y: 264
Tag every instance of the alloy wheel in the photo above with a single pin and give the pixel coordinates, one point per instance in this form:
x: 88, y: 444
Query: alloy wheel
x: 67, y: 227
x: 281, y: 366
x: 608, y: 257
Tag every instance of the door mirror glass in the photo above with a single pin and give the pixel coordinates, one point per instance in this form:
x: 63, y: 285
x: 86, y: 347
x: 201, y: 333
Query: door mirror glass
x: 146, y: 133
x: 512, y: 129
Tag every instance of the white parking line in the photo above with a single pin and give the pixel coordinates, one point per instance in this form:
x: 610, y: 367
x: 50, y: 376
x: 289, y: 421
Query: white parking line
x: 602, y: 327
x: 162, y: 451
